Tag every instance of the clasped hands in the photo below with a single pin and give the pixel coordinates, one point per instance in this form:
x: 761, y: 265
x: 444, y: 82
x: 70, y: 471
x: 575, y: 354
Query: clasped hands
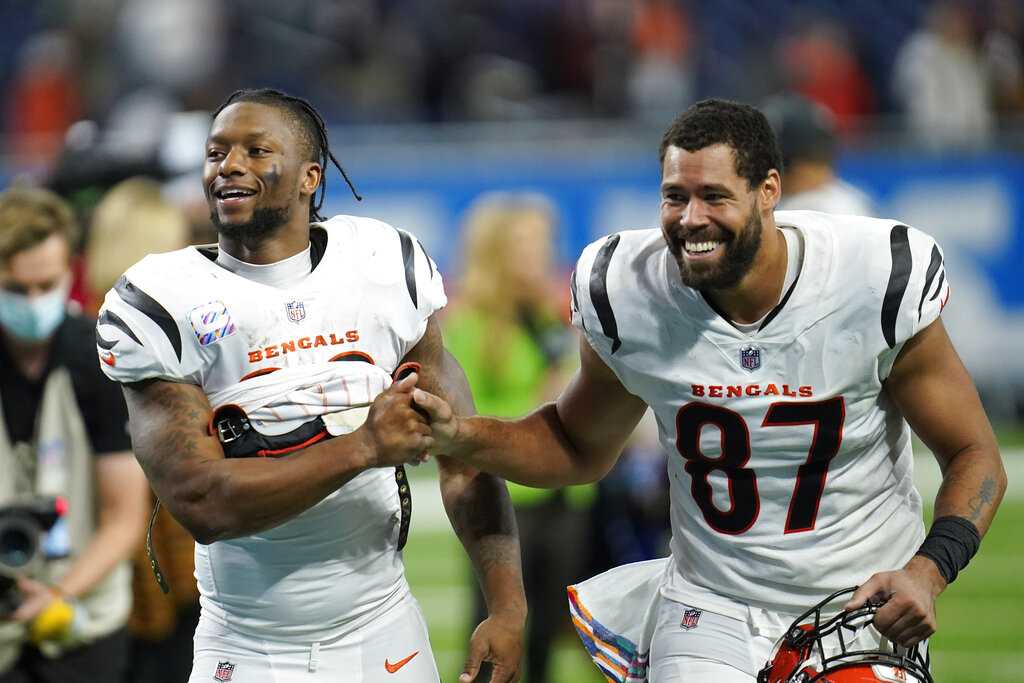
x: 406, y: 425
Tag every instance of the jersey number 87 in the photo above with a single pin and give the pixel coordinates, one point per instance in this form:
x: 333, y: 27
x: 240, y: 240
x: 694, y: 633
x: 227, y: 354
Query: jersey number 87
x: 826, y: 416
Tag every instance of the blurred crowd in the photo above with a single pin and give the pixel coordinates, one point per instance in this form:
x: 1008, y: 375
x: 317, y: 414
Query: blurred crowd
x: 128, y: 64
x: 106, y: 98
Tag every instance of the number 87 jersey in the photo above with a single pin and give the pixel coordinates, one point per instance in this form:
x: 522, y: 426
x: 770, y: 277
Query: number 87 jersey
x: 791, y: 469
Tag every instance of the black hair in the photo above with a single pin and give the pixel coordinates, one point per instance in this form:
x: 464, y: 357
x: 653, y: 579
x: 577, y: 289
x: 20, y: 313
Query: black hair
x: 311, y: 128
x: 742, y: 127
x: 806, y: 130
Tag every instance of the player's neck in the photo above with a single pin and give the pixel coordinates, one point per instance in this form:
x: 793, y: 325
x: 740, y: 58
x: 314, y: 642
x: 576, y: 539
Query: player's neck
x: 289, y: 240
x: 761, y: 288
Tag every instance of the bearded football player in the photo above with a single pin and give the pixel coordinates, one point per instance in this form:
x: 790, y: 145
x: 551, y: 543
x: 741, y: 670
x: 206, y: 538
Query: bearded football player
x: 787, y: 357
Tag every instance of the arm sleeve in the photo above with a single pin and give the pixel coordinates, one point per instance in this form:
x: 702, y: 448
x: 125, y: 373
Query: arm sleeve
x: 916, y: 292
x: 591, y: 307
x: 429, y: 283
x: 137, y: 338
x: 423, y: 286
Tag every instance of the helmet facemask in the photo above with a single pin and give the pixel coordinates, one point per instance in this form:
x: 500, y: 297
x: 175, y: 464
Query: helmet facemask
x: 819, y: 650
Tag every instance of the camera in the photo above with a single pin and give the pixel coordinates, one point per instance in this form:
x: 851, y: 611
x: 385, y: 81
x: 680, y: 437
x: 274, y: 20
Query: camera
x: 23, y: 525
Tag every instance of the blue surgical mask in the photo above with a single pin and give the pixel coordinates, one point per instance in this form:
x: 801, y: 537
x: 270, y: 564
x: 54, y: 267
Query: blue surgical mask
x: 33, y: 318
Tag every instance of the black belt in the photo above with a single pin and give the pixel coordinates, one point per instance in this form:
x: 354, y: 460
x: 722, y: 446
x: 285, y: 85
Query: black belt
x: 239, y: 439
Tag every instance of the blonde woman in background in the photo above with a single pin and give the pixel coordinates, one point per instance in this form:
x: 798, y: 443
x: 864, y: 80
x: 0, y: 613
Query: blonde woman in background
x: 507, y: 329
x: 131, y: 221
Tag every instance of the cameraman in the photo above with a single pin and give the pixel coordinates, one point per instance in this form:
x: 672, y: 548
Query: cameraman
x: 62, y: 434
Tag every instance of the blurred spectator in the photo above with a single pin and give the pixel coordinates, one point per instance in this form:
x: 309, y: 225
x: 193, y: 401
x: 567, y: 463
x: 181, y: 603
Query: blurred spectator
x: 1002, y: 47
x: 63, y: 435
x: 511, y: 340
x: 176, y: 46
x: 818, y: 62
x: 131, y: 221
x: 662, y: 74
x: 43, y: 99
x: 496, y: 88
x: 807, y: 137
x: 630, y: 518
x: 942, y: 82
x: 417, y: 60
x: 609, y: 23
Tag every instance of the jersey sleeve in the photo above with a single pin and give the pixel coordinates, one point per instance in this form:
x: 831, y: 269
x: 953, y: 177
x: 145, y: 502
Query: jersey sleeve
x: 916, y: 292
x: 429, y: 285
x: 396, y: 266
x: 424, y: 284
x: 591, y: 306
x: 137, y: 338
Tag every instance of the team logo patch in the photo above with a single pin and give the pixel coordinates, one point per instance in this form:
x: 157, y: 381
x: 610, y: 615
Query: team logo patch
x: 296, y: 311
x: 224, y: 672
x: 211, y: 322
x: 690, y: 618
x: 750, y: 358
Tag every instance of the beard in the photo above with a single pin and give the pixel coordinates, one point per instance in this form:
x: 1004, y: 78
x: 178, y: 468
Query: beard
x: 263, y: 223
x: 731, y: 266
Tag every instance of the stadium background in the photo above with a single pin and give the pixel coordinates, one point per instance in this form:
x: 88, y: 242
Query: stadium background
x: 432, y: 103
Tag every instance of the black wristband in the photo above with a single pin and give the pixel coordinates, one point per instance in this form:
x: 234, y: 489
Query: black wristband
x: 950, y: 544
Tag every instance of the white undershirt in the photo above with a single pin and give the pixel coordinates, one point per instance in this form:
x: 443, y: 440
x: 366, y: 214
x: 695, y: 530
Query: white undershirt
x: 283, y: 274
x: 795, y: 255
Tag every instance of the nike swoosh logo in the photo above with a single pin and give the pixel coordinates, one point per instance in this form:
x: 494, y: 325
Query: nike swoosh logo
x: 392, y: 668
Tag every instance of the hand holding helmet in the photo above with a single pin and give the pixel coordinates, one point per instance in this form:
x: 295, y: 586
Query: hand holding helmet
x: 816, y: 649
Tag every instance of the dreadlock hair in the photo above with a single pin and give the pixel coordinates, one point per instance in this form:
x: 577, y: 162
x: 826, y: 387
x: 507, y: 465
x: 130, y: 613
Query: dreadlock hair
x: 311, y: 128
x: 740, y: 126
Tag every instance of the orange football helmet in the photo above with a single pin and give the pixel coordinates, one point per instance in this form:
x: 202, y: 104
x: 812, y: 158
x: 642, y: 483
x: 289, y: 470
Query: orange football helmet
x: 818, y: 650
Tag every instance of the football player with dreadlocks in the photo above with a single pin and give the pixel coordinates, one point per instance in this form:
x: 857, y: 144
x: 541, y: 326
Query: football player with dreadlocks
x: 300, y: 340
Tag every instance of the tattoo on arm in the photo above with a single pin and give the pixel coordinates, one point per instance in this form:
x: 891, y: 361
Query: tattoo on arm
x: 473, y: 515
x: 497, y: 551
x: 166, y: 421
x: 478, y: 503
x: 985, y: 496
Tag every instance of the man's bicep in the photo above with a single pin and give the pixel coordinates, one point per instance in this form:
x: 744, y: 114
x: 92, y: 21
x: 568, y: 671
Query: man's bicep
x: 440, y: 373
x: 168, y: 423
x: 597, y: 413
x: 936, y: 395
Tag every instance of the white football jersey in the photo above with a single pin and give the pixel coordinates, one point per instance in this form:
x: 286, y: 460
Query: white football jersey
x: 277, y: 353
x: 791, y: 470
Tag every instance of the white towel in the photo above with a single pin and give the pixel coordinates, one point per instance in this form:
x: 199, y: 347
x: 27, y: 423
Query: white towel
x: 614, y: 614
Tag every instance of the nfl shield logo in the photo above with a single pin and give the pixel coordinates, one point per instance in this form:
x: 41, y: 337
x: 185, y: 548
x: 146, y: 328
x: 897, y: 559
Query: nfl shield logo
x: 296, y: 311
x: 750, y: 358
x: 690, y: 619
x: 224, y: 672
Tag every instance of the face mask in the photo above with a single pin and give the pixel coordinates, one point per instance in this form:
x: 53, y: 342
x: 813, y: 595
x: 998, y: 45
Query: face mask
x: 33, y: 318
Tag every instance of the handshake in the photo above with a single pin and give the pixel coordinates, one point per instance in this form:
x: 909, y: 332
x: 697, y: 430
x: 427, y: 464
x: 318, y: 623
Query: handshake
x: 406, y: 425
